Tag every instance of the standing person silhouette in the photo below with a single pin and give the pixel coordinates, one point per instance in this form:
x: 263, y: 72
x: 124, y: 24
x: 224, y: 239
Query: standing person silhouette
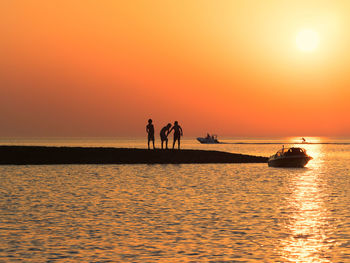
x: 150, y: 131
x: 177, y: 134
x: 164, y: 135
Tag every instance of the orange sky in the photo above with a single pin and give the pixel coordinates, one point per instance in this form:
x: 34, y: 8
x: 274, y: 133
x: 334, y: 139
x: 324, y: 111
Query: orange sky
x: 102, y: 68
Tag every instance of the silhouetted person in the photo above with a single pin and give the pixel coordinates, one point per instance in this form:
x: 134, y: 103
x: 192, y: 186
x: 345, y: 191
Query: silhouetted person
x: 150, y: 131
x: 177, y: 133
x: 164, y: 135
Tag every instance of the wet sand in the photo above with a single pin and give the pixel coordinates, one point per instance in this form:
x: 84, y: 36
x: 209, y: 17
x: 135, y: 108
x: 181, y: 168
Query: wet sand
x: 22, y: 155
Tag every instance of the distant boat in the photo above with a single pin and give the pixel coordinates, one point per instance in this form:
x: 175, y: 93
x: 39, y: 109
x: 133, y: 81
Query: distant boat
x: 289, y: 157
x: 210, y: 139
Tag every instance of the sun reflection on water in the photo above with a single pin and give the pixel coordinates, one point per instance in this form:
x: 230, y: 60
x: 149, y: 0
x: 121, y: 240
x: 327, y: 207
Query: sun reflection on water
x: 307, y: 222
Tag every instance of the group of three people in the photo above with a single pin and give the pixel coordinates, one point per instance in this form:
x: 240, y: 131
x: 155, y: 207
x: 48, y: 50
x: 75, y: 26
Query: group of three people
x: 164, y: 132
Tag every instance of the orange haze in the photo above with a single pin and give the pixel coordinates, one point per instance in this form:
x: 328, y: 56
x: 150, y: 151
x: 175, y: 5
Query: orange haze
x: 102, y: 68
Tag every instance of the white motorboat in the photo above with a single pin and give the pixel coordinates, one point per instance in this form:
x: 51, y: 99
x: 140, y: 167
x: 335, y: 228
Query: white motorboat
x: 289, y: 157
x: 209, y: 139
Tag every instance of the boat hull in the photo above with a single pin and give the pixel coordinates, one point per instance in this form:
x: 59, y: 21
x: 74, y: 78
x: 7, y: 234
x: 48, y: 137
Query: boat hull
x: 207, y: 141
x: 290, y: 161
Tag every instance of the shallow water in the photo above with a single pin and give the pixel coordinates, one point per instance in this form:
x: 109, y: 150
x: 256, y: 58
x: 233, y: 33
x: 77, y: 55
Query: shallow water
x: 179, y: 213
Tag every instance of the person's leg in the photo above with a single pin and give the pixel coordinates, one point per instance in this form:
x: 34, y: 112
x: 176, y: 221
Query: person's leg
x: 153, y: 144
x: 174, y: 142
x: 176, y: 139
x: 148, y: 143
x: 162, y: 143
x: 178, y: 143
x: 166, y: 143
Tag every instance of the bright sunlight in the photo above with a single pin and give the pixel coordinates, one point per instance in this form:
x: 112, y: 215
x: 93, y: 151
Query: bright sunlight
x: 307, y: 40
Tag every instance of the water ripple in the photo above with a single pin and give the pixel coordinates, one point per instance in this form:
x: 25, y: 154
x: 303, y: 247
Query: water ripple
x: 176, y: 213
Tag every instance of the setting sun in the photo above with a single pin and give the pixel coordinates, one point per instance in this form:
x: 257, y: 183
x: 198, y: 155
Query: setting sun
x: 307, y: 40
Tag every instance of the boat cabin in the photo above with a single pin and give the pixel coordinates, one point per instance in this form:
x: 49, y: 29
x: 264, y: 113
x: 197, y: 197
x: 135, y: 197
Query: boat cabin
x: 291, y: 151
x: 212, y: 137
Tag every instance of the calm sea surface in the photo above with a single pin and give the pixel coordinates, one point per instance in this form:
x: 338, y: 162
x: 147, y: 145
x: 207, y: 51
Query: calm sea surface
x: 177, y: 213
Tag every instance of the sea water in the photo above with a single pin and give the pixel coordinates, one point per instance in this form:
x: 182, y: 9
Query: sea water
x: 177, y: 213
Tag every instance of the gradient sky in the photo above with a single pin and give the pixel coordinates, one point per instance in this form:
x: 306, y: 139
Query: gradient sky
x: 102, y: 68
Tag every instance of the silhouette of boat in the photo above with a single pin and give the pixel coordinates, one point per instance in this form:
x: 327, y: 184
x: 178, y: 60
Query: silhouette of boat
x: 289, y: 157
x: 209, y: 139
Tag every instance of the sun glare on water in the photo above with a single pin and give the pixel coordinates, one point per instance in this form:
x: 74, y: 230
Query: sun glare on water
x: 307, y: 40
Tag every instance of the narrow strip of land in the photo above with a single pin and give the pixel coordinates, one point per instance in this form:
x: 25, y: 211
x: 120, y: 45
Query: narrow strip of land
x: 23, y: 155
